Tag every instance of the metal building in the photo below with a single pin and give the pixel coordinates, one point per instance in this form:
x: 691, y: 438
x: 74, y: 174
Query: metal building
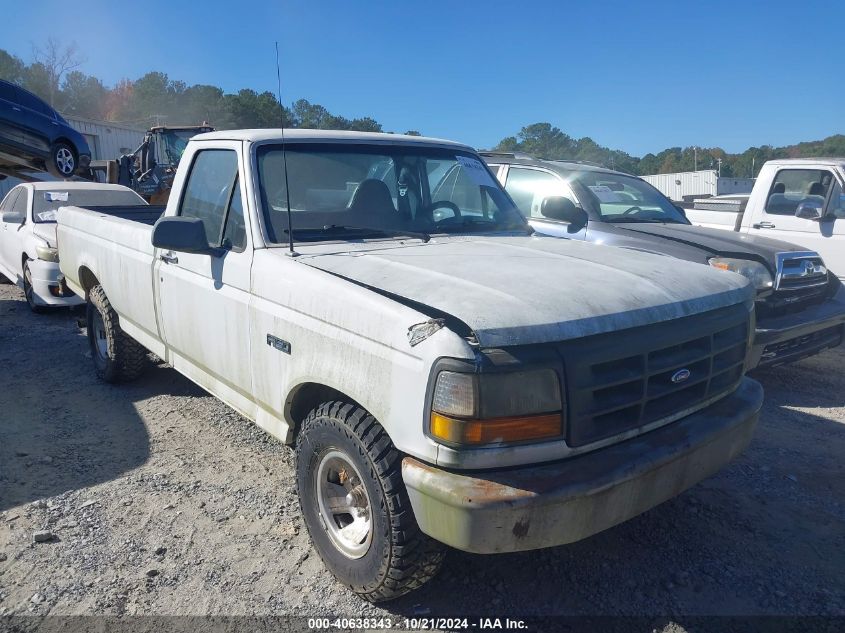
x: 106, y: 140
x: 687, y: 185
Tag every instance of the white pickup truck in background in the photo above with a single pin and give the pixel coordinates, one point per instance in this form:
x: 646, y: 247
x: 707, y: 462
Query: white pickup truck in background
x: 797, y: 200
x: 446, y: 377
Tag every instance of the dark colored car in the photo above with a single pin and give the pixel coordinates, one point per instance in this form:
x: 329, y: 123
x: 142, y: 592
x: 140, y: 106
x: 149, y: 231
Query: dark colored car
x: 34, y: 136
x: 800, y: 308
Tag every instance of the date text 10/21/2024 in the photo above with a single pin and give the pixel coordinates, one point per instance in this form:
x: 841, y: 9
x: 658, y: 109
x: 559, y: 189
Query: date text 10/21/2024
x: 417, y: 624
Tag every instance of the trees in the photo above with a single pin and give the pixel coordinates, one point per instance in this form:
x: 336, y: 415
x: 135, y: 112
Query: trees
x: 53, y: 61
x: 83, y: 95
x: 546, y: 141
x: 156, y: 99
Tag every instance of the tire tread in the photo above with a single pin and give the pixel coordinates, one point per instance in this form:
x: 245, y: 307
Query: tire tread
x: 413, y: 558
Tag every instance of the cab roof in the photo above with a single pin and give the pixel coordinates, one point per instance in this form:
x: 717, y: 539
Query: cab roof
x: 822, y: 160
x: 519, y: 158
x: 323, y: 136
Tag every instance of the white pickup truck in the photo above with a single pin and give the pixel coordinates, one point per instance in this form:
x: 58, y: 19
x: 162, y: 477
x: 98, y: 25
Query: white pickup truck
x: 446, y: 377
x: 798, y: 200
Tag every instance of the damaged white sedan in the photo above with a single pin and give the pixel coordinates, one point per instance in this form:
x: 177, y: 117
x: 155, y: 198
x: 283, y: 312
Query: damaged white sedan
x: 28, y: 253
x: 446, y: 378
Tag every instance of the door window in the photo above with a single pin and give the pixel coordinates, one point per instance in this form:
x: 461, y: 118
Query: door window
x: 234, y: 234
x: 836, y: 205
x: 794, y: 186
x: 209, y: 196
x: 19, y: 204
x: 458, y: 188
x: 9, y: 200
x: 528, y: 188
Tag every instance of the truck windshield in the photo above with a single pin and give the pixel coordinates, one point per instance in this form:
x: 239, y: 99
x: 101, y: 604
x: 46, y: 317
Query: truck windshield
x: 46, y: 203
x: 620, y: 198
x: 357, y: 191
x: 173, y: 144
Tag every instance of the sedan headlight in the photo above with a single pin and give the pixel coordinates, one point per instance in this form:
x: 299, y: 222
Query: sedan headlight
x: 496, y: 408
x: 756, y: 272
x: 47, y: 254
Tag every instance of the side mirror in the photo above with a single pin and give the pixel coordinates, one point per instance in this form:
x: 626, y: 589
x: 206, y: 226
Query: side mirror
x: 12, y: 217
x: 809, y: 210
x: 184, y: 235
x: 563, y: 209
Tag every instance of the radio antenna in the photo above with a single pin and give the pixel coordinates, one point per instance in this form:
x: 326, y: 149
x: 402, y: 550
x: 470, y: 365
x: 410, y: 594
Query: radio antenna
x: 291, y: 252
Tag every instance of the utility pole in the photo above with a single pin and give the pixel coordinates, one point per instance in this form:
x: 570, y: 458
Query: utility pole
x: 752, y: 166
x: 719, y: 163
x: 695, y: 157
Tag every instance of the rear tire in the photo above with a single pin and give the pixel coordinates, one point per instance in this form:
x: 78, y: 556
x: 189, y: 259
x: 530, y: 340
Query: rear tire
x: 342, y: 449
x: 116, y: 356
x: 63, y: 161
x: 29, y: 292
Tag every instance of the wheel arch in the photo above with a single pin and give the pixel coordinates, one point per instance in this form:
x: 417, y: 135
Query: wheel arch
x: 305, y: 397
x: 87, y: 280
x: 69, y: 143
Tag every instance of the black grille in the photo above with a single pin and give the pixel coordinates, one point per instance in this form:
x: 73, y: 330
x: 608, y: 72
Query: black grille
x: 623, y: 380
x: 802, y: 345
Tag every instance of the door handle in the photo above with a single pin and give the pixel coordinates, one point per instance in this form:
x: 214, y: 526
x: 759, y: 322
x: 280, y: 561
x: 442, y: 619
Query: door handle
x: 763, y: 225
x: 167, y: 258
x: 16, y: 109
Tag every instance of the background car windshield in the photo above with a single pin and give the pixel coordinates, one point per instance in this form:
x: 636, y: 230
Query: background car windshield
x: 617, y: 197
x: 48, y: 202
x: 381, y: 188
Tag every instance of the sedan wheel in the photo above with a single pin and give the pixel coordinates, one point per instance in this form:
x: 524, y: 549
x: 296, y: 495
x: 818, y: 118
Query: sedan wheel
x: 28, y: 291
x: 62, y: 163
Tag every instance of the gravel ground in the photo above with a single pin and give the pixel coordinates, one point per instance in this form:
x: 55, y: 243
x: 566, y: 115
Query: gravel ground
x: 158, y: 499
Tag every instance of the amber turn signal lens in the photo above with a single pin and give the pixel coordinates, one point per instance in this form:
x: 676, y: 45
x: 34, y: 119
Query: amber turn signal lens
x: 496, y: 430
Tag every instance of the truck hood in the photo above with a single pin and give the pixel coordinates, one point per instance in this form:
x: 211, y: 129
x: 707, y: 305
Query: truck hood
x: 693, y: 243
x: 517, y: 290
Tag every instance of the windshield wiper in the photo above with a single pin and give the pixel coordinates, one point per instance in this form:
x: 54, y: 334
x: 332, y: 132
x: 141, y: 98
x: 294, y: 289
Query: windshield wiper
x: 338, y: 228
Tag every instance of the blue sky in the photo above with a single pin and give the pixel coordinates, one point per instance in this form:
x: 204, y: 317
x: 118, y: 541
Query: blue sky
x: 638, y: 75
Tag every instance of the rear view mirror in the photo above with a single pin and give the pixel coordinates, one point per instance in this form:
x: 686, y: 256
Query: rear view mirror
x: 184, y: 235
x: 563, y: 209
x: 809, y: 210
x: 12, y: 217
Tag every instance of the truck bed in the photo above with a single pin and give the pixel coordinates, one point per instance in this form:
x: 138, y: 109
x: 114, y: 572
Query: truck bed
x: 143, y: 213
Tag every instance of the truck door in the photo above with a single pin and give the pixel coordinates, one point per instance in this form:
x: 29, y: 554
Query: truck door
x: 529, y: 186
x: 812, y: 186
x: 204, y: 299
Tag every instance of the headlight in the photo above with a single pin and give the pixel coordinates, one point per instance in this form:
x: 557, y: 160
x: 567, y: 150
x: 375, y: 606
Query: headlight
x: 496, y: 408
x: 47, y: 254
x: 754, y: 271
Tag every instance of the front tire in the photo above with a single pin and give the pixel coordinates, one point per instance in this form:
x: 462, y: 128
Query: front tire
x: 62, y: 162
x: 117, y: 357
x: 29, y: 292
x: 355, y: 506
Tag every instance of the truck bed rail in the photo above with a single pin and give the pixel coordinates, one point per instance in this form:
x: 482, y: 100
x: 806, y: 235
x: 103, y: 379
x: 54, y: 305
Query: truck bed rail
x: 143, y: 213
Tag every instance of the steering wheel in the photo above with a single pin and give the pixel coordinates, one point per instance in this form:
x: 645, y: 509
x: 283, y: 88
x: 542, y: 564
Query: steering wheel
x: 444, y: 203
x: 631, y: 210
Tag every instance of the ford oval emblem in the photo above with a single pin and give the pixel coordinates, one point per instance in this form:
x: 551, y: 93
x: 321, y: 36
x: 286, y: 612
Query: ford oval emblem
x: 681, y: 375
